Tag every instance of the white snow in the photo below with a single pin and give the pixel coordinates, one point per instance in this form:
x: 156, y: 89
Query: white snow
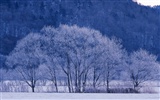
x: 77, y: 96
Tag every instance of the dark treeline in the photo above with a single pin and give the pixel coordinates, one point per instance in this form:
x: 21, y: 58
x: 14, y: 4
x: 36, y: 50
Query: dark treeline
x: 137, y: 26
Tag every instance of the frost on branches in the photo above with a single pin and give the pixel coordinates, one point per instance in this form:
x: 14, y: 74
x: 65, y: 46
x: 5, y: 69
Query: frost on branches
x: 82, y: 57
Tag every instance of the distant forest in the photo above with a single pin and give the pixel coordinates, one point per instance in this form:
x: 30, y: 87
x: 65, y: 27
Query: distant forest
x: 137, y: 26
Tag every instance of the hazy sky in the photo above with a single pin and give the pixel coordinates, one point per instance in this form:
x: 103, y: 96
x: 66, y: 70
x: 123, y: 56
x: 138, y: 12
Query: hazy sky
x: 149, y: 2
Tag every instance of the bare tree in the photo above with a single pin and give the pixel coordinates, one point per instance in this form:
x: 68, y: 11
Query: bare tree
x: 52, y: 69
x: 26, y: 58
x: 75, y: 49
x: 55, y: 56
x: 142, y: 67
x: 112, y: 60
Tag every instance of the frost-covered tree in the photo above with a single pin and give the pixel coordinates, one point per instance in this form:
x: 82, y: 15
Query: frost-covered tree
x: 75, y: 49
x: 51, y: 55
x: 142, y: 67
x: 82, y: 53
x: 112, y: 57
x: 26, y: 59
x: 79, y: 55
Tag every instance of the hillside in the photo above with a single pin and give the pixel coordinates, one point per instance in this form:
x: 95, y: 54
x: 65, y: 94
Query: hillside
x: 137, y: 26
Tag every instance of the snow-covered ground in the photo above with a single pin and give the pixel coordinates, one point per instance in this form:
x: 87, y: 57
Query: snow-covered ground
x: 77, y: 96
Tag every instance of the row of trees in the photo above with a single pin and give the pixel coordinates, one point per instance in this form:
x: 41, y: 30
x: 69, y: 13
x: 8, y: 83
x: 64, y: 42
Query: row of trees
x: 79, y: 55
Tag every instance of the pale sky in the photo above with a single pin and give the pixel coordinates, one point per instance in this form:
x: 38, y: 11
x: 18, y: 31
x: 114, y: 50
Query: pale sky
x: 149, y: 2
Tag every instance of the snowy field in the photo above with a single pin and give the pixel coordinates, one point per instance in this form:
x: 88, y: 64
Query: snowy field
x: 77, y: 96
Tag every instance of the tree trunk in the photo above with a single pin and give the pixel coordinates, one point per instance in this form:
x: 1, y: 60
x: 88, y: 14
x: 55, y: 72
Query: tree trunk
x: 108, y: 81
x: 85, y: 81
x: 136, y: 86
x: 107, y: 86
x: 55, y: 84
x: 55, y: 81
x: 33, y: 88
x: 79, y: 84
x: 94, y: 78
x: 69, y: 85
